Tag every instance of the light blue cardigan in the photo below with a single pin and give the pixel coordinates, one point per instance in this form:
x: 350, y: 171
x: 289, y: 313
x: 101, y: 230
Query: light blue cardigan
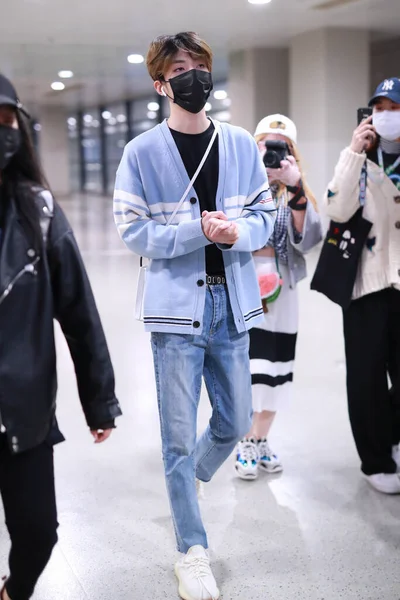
x: 151, y: 179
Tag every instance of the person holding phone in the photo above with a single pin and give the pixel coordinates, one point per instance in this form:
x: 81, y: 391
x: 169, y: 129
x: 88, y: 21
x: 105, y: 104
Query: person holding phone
x: 372, y: 322
x: 42, y: 278
x: 273, y: 342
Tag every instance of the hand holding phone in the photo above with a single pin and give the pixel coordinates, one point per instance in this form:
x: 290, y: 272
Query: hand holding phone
x: 363, y: 114
x: 364, y: 135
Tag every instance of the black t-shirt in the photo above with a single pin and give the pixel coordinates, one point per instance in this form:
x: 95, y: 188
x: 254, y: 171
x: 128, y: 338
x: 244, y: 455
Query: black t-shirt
x: 192, y: 148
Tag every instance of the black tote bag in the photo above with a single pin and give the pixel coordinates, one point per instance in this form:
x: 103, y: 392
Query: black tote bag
x: 337, y: 266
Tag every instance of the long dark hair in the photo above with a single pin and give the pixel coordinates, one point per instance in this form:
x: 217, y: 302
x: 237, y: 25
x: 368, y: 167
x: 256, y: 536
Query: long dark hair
x: 20, y: 176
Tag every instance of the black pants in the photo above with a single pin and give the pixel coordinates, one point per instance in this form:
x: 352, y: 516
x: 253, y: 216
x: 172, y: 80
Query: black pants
x: 27, y: 490
x: 372, y: 341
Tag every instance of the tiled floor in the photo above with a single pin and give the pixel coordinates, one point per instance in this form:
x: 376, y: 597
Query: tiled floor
x: 317, y: 532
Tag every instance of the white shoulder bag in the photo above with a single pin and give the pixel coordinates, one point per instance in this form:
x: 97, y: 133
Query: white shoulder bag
x: 141, y: 285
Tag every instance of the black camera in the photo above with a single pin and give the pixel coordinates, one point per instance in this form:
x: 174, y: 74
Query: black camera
x: 276, y: 152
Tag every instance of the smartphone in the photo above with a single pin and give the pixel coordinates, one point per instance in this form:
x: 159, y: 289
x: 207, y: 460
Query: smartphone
x: 363, y: 113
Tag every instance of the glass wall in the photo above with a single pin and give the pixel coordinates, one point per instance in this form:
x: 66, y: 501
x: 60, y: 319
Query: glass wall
x: 116, y: 136
x: 145, y: 113
x: 97, y: 137
x: 218, y: 106
x: 74, y: 154
x: 92, y: 151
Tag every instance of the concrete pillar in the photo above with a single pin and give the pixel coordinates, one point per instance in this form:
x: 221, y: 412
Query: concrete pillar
x: 329, y: 80
x: 385, y: 61
x: 258, y: 85
x: 53, y: 149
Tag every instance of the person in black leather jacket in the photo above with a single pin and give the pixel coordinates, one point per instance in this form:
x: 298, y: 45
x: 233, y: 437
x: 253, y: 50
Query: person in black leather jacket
x: 42, y: 278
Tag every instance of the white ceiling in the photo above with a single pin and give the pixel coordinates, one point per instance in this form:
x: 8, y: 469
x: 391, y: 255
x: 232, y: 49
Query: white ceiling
x: 93, y: 38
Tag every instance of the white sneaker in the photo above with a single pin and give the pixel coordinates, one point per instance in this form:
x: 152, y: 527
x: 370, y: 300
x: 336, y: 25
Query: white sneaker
x: 396, y: 456
x: 196, y: 581
x: 247, y: 459
x: 269, y: 461
x: 387, y: 483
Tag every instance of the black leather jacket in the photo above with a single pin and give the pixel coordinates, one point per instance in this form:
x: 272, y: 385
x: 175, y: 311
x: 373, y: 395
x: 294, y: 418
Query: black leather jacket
x: 35, y: 289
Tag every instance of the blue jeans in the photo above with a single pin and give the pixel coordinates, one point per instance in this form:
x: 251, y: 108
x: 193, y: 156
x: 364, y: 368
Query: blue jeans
x: 221, y: 354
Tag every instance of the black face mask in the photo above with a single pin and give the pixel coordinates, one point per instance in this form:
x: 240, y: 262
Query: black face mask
x: 10, y: 140
x: 192, y: 89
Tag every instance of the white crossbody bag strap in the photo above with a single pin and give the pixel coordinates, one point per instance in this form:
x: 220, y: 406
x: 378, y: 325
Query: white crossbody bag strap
x: 141, y: 285
x: 199, y: 168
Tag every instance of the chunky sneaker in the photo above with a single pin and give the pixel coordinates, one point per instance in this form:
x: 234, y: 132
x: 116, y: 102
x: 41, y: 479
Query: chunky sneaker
x: 247, y: 459
x: 196, y: 581
x: 387, y: 483
x: 269, y: 461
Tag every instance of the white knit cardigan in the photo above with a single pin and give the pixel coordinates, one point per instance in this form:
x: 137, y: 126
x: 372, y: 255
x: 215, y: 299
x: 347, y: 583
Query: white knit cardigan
x: 379, y: 266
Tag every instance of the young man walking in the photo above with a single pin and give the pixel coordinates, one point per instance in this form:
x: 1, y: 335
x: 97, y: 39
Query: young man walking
x: 201, y: 291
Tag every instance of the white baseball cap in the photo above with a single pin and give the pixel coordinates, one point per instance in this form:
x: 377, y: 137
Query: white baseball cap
x: 277, y: 124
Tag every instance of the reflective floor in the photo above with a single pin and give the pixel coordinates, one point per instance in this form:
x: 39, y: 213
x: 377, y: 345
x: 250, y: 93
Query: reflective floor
x: 317, y: 532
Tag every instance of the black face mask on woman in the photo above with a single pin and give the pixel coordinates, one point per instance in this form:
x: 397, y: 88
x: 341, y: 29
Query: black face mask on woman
x: 10, y: 140
x: 192, y: 89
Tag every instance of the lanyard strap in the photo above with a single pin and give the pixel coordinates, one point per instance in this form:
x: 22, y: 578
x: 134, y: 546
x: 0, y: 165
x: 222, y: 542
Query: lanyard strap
x: 363, y: 184
x: 364, y: 176
x: 203, y: 160
x: 391, y: 169
x: 217, y: 128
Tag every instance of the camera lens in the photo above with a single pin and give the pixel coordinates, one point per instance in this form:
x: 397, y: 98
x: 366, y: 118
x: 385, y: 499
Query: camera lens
x: 272, y: 160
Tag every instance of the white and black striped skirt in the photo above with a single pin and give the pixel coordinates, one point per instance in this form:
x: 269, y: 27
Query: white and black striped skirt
x: 273, y: 347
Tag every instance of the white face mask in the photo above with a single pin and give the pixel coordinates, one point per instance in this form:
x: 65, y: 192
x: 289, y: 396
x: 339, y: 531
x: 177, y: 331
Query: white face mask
x: 387, y: 124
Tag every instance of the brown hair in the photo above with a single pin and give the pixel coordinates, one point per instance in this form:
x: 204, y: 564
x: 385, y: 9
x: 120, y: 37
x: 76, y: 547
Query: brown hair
x: 294, y: 151
x: 163, y: 49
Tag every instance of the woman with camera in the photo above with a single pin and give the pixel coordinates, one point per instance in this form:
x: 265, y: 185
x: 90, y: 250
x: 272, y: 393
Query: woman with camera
x: 280, y: 266
x: 42, y: 278
x: 369, y: 169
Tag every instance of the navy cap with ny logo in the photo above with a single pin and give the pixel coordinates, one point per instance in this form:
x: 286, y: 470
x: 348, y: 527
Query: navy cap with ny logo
x: 389, y: 88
